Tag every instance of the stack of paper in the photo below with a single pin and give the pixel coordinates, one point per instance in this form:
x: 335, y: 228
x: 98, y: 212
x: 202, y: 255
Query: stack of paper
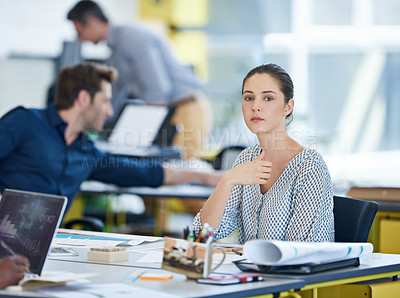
x: 29, y: 283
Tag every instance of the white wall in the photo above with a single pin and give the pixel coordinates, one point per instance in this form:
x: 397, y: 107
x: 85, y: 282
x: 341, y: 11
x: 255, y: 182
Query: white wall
x: 36, y: 29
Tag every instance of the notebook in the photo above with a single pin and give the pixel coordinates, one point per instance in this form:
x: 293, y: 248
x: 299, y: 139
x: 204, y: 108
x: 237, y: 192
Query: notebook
x: 28, y: 223
x: 140, y: 129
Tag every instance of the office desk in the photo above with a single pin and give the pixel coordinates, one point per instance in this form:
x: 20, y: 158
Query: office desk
x: 167, y: 191
x: 181, y: 191
x: 152, y: 152
x: 383, y: 265
x: 179, y: 286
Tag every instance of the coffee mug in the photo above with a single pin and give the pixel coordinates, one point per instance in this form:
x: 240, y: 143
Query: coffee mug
x: 193, y: 259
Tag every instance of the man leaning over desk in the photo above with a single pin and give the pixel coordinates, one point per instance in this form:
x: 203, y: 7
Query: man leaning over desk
x: 46, y: 150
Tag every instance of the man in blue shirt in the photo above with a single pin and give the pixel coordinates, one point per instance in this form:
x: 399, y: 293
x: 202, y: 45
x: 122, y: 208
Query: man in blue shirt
x: 47, y: 150
x: 12, y: 270
x: 149, y: 70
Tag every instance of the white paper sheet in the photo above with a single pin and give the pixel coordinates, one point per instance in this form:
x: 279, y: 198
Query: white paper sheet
x: 153, y: 256
x: 111, y: 290
x: 265, y: 252
x: 95, y: 243
x: 66, y: 237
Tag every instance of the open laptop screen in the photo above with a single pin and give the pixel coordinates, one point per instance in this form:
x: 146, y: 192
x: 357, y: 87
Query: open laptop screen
x: 139, y: 125
x: 28, y: 222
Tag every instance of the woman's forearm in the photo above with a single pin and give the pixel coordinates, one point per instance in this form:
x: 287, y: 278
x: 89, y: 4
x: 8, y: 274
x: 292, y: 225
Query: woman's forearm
x: 213, y: 209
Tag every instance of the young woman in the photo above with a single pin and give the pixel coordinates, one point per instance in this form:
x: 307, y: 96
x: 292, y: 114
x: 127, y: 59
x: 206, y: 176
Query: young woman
x: 277, y: 189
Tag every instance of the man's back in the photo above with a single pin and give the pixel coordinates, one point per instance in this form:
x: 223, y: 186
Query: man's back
x: 34, y: 156
x: 147, y: 67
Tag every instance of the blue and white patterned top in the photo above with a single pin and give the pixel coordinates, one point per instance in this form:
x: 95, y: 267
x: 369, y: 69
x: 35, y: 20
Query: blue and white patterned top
x: 298, y: 207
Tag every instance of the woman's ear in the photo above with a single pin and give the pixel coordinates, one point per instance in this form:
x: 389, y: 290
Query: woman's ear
x: 289, y: 107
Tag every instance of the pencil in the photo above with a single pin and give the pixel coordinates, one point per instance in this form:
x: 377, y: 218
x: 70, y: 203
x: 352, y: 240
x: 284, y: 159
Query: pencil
x: 6, y: 247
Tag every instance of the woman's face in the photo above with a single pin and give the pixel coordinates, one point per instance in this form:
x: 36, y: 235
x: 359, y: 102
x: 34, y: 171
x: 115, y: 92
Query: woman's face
x: 263, y: 105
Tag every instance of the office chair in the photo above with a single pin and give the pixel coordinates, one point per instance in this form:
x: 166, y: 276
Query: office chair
x: 353, y: 218
x: 226, y: 157
x: 87, y: 223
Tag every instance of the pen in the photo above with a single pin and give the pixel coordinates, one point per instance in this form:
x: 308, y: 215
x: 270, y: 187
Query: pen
x: 186, y: 233
x: 6, y: 247
x: 237, y: 252
x: 209, y: 240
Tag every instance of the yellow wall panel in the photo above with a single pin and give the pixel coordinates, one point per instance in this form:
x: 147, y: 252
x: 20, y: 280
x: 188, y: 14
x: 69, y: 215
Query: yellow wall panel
x: 191, y: 48
x: 76, y: 209
x: 381, y: 288
x: 389, y: 236
x: 189, y: 13
x: 178, y: 13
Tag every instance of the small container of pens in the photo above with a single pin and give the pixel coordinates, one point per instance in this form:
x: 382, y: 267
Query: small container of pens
x: 193, y: 255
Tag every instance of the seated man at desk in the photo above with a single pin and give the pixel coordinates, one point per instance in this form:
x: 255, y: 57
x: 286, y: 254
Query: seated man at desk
x: 12, y: 270
x: 46, y: 150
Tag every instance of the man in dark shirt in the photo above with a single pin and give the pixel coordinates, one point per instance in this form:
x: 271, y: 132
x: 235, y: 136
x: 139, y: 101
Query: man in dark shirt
x: 47, y: 150
x: 12, y: 270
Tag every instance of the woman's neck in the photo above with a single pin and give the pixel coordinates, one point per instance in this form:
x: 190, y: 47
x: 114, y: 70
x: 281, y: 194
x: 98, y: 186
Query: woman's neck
x: 278, y: 145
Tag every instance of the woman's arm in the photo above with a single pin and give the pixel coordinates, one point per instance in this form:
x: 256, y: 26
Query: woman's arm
x: 256, y: 171
x: 312, y: 218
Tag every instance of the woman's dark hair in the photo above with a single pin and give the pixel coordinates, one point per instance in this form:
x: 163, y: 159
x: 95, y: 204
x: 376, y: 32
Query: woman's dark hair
x: 281, y: 76
x: 85, y: 9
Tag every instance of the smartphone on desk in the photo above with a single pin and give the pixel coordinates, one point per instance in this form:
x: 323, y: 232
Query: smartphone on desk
x: 230, y: 279
x: 62, y: 251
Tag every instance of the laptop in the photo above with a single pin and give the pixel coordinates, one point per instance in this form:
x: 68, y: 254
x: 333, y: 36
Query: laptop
x: 28, y: 223
x: 307, y: 268
x: 141, y: 130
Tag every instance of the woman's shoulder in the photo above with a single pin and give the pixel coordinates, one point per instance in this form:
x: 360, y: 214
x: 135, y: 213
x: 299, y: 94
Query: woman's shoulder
x: 310, y: 158
x: 311, y: 153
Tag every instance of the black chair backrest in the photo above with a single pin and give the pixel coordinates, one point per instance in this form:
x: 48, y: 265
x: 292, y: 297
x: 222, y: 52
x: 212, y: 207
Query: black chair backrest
x: 225, y: 159
x: 353, y: 219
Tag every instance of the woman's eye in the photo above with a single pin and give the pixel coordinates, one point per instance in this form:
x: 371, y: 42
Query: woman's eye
x: 247, y: 98
x: 268, y: 98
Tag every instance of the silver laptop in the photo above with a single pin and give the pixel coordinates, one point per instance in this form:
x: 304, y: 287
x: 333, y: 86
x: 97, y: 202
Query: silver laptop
x: 28, y: 223
x: 141, y: 130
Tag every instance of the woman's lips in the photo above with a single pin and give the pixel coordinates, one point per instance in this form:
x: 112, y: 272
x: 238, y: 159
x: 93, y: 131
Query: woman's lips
x: 256, y: 119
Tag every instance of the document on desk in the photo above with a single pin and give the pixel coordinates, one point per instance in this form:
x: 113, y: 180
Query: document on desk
x: 50, y: 279
x: 151, y: 256
x: 271, y: 252
x: 91, y: 240
x: 111, y: 290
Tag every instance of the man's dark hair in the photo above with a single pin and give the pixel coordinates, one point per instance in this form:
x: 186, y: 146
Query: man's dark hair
x: 83, y: 76
x: 85, y: 9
